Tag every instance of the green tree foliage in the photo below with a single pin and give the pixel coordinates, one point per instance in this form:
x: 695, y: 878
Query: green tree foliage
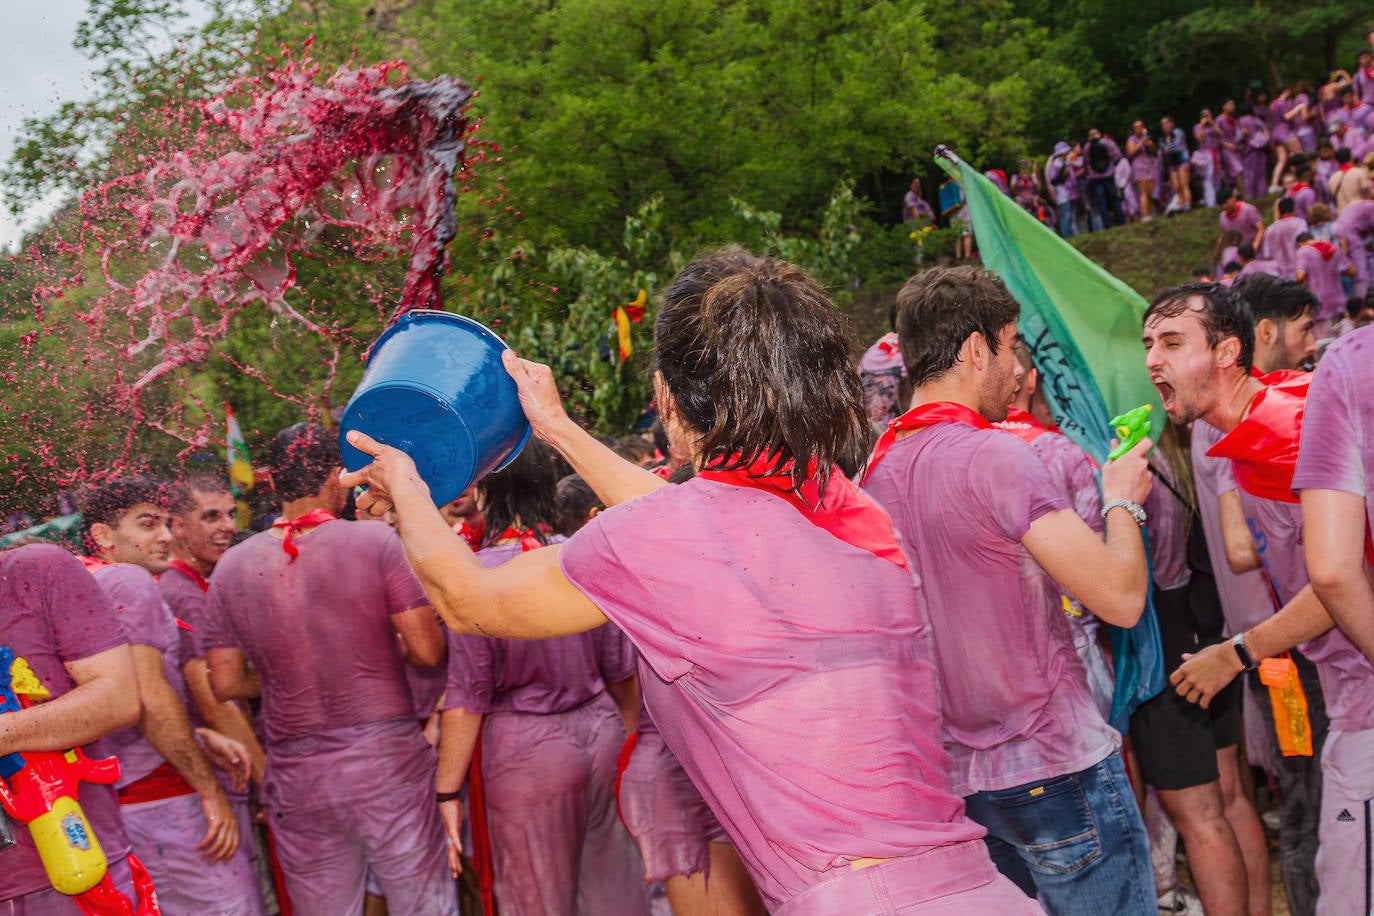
x: 615, y: 139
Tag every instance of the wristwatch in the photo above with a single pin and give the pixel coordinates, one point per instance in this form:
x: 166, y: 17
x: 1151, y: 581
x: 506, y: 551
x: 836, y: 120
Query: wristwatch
x: 1136, y: 509
x: 1247, y: 661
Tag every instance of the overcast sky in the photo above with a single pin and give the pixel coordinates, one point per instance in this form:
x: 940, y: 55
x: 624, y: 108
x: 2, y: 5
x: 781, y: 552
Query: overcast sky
x: 39, y: 70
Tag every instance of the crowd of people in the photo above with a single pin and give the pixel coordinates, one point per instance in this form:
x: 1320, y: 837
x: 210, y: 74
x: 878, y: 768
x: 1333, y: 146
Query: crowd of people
x: 894, y: 695
x: 1307, y: 135
x: 842, y: 639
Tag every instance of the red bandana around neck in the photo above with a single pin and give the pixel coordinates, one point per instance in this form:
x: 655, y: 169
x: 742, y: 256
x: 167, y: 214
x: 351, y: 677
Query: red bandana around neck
x: 1023, y: 425
x: 843, y: 509
x: 1263, y: 447
x: 1325, y: 249
x: 920, y: 417
x: 526, y: 536
x: 471, y: 533
x: 295, y: 525
x: 1297, y: 187
x: 1347, y: 167
x: 190, y: 572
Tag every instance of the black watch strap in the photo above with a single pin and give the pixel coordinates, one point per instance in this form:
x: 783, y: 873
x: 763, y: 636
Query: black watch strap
x: 1247, y: 661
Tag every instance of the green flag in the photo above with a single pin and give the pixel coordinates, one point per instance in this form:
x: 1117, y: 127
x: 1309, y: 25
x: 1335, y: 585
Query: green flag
x: 1081, y: 324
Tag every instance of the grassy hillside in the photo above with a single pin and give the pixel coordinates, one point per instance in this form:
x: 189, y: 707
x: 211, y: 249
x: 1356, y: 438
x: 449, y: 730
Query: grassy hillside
x: 1147, y: 256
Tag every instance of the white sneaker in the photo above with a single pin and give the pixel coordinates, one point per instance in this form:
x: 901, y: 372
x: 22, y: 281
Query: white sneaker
x: 1180, y: 901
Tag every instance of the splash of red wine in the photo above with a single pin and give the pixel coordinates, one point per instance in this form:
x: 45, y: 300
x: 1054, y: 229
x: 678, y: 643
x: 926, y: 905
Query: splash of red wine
x: 208, y: 234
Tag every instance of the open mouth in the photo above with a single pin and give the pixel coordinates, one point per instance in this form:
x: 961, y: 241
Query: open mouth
x: 1166, y: 392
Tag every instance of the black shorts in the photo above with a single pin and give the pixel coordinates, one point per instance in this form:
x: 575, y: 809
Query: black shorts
x: 1177, y: 741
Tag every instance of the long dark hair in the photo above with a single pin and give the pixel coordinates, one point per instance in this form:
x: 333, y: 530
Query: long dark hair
x: 522, y: 492
x: 758, y: 362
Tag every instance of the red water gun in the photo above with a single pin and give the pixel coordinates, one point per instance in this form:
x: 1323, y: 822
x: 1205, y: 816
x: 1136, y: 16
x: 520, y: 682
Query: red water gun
x: 39, y: 790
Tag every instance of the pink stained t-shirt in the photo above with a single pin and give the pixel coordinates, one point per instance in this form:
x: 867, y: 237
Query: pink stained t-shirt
x: 1324, y: 278
x: 53, y: 612
x: 1347, y: 678
x: 788, y: 671
x: 1076, y: 472
x: 1245, y: 599
x: 146, y: 621
x: 1013, y: 691
x: 186, y: 599
x: 536, y: 676
x: 1337, y: 449
x: 1167, y: 524
x: 1281, y: 243
x: 1246, y: 221
x: 318, y: 630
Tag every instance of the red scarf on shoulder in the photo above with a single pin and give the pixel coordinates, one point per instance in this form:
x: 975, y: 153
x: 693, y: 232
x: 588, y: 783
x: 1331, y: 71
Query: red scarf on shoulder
x: 920, y: 417
x: 190, y: 572
x: 311, y: 519
x: 1325, y: 249
x: 1023, y: 426
x: 843, y: 509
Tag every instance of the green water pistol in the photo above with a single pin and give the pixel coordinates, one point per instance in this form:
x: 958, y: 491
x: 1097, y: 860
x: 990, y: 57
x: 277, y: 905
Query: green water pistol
x: 1130, y: 428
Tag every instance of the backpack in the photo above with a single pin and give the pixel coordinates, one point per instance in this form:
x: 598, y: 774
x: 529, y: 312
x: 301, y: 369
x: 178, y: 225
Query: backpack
x: 1099, y: 157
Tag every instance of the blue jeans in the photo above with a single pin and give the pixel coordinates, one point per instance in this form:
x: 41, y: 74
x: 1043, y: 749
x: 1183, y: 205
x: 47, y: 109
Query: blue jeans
x: 1076, y: 841
x: 1067, y: 227
x: 1105, y: 201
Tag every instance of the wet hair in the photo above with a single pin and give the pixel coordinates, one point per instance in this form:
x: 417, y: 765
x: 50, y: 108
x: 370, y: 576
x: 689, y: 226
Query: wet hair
x: 1343, y: 155
x: 301, y: 458
x: 1246, y: 251
x: 1230, y: 267
x: 1203, y: 271
x: 1227, y: 192
x: 1353, y: 306
x: 660, y: 434
x: 1275, y: 298
x: 573, y: 500
x: 105, y: 504
x: 1223, y: 314
x: 1303, y: 237
x: 757, y: 362
x: 683, y: 474
x: 939, y: 308
x: 523, y: 491
x: 1286, y: 206
x: 181, y: 493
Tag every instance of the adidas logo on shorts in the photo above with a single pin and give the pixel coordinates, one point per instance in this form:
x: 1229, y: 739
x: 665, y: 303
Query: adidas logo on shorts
x: 1345, y: 817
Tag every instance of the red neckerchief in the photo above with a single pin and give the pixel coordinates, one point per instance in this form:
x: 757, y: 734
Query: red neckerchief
x: 528, y: 539
x: 1232, y: 213
x: 843, y: 509
x: 1298, y: 186
x: 310, y: 519
x: 92, y: 564
x: 1263, y: 447
x: 471, y: 533
x: 1023, y: 425
x: 190, y: 572
x: 1347, y: 167
x: 1289, y: 216
x: 920, y: 417
x: 1325, y: 249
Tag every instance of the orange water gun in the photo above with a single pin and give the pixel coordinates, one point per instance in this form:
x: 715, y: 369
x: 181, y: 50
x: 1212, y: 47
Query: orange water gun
x: 39, y: 790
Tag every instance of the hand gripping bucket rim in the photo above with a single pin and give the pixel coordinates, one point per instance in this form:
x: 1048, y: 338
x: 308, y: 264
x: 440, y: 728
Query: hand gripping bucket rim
x: 435, y: 388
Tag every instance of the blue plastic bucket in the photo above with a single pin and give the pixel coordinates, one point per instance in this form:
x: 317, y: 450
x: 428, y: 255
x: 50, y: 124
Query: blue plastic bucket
x: 436, y: 389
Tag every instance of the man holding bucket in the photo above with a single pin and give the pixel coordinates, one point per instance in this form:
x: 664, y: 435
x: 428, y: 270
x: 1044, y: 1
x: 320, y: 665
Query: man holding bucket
x: 315, y: 605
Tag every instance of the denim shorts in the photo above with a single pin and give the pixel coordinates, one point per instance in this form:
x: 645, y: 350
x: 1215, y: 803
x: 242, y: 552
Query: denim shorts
x: 1077, y: 841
